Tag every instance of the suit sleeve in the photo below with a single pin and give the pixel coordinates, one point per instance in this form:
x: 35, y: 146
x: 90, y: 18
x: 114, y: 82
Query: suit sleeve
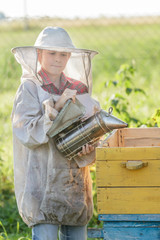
x: 30, y: 124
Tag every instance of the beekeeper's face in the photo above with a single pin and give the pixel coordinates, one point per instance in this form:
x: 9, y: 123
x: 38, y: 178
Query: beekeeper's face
x: 53, y: 62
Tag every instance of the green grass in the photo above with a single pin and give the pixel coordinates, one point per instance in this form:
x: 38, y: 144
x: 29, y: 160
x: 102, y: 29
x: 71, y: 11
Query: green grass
x: 117, y: 44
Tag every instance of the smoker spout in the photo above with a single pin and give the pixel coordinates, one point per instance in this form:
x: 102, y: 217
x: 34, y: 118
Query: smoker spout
x: 111, y: 122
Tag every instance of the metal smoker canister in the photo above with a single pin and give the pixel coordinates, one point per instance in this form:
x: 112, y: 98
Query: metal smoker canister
x: 70, y: 141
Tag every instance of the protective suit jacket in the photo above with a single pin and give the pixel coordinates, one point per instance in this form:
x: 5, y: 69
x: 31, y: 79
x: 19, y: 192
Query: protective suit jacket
x: 49, y: 188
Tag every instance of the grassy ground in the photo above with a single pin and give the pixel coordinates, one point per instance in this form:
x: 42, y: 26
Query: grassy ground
x: 135, y: 42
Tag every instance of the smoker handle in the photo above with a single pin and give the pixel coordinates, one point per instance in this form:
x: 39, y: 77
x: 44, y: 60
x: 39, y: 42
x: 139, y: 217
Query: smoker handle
x: 133, y: 165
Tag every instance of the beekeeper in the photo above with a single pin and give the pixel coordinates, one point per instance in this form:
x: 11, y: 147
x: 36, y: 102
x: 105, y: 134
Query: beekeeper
x: 52, y: 192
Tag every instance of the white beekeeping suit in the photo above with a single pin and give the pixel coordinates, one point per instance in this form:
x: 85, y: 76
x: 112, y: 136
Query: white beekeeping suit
x: 49, y: 188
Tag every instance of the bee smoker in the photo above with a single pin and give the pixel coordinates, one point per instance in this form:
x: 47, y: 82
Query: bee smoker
x: 70, y: 141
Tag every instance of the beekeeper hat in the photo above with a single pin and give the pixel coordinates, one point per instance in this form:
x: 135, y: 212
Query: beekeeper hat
x: 57, y: 39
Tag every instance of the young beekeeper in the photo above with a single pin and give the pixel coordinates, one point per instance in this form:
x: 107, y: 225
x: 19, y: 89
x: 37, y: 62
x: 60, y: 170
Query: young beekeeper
x: 52, y: 191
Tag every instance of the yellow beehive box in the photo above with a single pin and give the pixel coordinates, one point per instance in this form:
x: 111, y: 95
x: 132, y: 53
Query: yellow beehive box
x: 128, y: 172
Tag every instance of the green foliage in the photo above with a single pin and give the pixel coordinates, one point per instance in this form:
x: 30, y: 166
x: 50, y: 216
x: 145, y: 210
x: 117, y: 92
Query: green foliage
x: 124, y: 93
x: 94, y: 222
x: 156, y: 117
x: 16, y: 236
x: 3, y: 234
x: 9, y: 213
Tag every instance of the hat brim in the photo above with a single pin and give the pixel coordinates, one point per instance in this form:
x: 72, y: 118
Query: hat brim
x: 59, y: 49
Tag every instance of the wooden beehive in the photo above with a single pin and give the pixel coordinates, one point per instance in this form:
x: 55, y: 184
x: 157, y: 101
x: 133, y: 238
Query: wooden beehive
x: 128, y: 172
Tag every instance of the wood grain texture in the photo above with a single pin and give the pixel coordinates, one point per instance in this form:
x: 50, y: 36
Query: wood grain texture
x: 112, y: 174
x: 132, y: 137
x: 129, y: 217
x: 127, y: 153
x: 128, y: 200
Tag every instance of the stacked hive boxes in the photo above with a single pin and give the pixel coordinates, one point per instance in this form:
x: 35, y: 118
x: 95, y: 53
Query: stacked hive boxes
x: 128, y: 181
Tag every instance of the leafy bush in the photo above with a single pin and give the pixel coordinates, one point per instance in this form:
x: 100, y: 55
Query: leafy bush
x: 125, y: 93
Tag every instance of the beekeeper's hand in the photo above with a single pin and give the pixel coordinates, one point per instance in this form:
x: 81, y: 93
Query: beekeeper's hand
x: 67, y: 94
x: 49, y: 109
x: 86, y: 149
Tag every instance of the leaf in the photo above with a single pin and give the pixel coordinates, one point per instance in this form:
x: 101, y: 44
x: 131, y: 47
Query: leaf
x: 124, y: 108
x: 139, y: 90
x: 129, y: 90
x: 114, y: 102
x: 128, y: 79
x: 115, y: 83
x: 108, y: 83
x: 4, y: 230
x: 117, y: 110
x: 131, y: 69
x: 17, y: 227
x: 156, y: 117
x: 135, y: 120
x: 120, y: 96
